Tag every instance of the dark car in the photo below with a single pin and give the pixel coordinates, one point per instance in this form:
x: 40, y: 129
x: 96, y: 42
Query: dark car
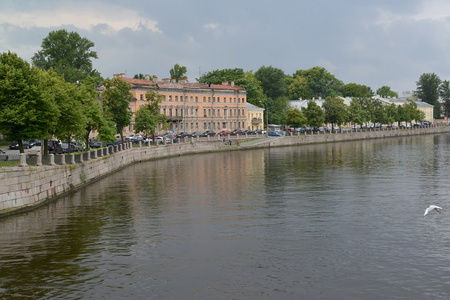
x: 197, y: 134
x: 15, y: 145
x: 182, y: 135
x: 34, y: 142
x: 95, y: 143
x: 54, y: 147
x: 208, y: 133
x: 66, y: 149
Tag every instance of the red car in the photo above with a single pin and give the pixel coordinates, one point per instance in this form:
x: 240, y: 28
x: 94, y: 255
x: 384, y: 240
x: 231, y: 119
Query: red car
x: 224, y: 132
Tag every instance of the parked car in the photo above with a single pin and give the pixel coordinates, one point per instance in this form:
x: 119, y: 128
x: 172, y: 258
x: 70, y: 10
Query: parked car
x: 224, y: 132
x: 208, y: 133
x: 275, y: 133
x: 15, y: 145
x: 35, y: 150
x: 54, y: 147
x: 260, y: 131
x: 237, y: 131
x: 197, y: 134
x: 65, y: 148
x: 95, y: 143
x: 182, y: 135
x: 159, y: 140
x: 34, y: 142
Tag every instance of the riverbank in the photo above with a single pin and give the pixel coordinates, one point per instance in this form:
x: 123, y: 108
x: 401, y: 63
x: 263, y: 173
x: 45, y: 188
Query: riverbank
x: 26, y: 187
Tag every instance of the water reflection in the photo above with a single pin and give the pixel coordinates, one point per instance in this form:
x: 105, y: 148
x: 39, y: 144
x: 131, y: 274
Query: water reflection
x: 324, y: 221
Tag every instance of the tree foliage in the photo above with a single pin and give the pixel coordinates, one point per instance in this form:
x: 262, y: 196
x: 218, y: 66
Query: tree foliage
x: 295, y: 118
x: 116, y: 98
x: 357, y: 90
x: 299, y: 88
x: 386, y: 92
x: 272, y: 81
x: 428, y: 91
x: 27, y: 102
x: 335, y: 111
x: 314, y: 114
x: 68, y: 54
x: 444, y: 92
x: 217, y: 76
x: 178, y: 72
x: 321, y: 82
x: 148, y: 116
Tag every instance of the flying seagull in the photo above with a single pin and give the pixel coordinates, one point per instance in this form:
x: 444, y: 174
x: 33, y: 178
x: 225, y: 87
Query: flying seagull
x: 430, y: 208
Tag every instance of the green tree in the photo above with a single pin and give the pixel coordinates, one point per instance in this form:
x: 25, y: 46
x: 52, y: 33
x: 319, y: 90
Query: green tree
x: 255, y: 93
x: 178, y: 72
x: 321, y: 82
x: 272, y: 81
x: 139, y: 76
x: 148, y: 116
x: 444, y: 92
x: 295, y: 118
x: 428, y: 91
x: 218, y: 76
x: 116, y: 99
x: 386, y: 92
x: 68, y: 54
x: 27, y: 106
x: 335, y: 111
x: 72, y: 120
x: 357, y: 90
x: 391, y: 113
x: 355, y: 112
x: 299, y: 88
x: 314, y: 114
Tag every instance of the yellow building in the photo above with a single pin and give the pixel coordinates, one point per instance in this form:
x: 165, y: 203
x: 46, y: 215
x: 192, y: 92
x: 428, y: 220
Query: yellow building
x: 192, y: 107
x: 255, y: 117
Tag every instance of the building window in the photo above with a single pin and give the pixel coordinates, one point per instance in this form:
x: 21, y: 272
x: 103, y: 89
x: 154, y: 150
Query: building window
x: 209, y: 111
x: 214, y: 99
x: 204, y: 125
x: 218, y: 99
x: 142, y: 96
x: 196, y: 99
x: 234, y: 100
x: 192, y: 99
x: 196, y: 126
x: 196, y: 113
x: 176, y: 98
x: 204, y: 99
x: 170, y: 98
x: 204, y: 112
x: 209, y: 99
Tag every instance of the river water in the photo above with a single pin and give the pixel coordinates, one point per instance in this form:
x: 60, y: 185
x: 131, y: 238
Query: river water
x: 330, y: 221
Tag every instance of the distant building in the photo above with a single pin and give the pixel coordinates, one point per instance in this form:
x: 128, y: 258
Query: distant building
x: 191, y: 107
x: 255, y: 117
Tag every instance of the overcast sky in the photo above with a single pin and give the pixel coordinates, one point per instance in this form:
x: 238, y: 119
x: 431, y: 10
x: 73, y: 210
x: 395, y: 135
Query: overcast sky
x: 370, y: 42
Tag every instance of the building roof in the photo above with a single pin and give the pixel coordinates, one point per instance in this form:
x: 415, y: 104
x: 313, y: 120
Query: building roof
x: 181, y: 84
x: 254, y: 107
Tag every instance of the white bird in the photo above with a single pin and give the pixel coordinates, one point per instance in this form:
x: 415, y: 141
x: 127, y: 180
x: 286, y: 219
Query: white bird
x: 430, y: 208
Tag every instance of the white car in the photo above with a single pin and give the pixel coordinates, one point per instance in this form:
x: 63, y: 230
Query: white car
x: 35, y: 150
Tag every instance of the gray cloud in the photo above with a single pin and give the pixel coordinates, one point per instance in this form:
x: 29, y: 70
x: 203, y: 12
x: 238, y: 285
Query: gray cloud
x: 374, y: 43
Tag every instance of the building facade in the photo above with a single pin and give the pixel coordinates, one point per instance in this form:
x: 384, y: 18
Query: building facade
x: 192, y: 107
x: 255, y: 117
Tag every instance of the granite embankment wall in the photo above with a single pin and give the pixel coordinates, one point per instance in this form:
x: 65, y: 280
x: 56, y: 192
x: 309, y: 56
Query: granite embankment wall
x: 25, y: 188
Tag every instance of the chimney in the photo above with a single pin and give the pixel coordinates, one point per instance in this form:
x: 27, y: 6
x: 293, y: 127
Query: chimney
x: 224, y: 82
x: 155, y: 78
x: 147, y: 77
x: 173, y: 80
x: 122, y: 75
x: 232, y: 83
x: 166, y: 80
x: 182, y: 80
